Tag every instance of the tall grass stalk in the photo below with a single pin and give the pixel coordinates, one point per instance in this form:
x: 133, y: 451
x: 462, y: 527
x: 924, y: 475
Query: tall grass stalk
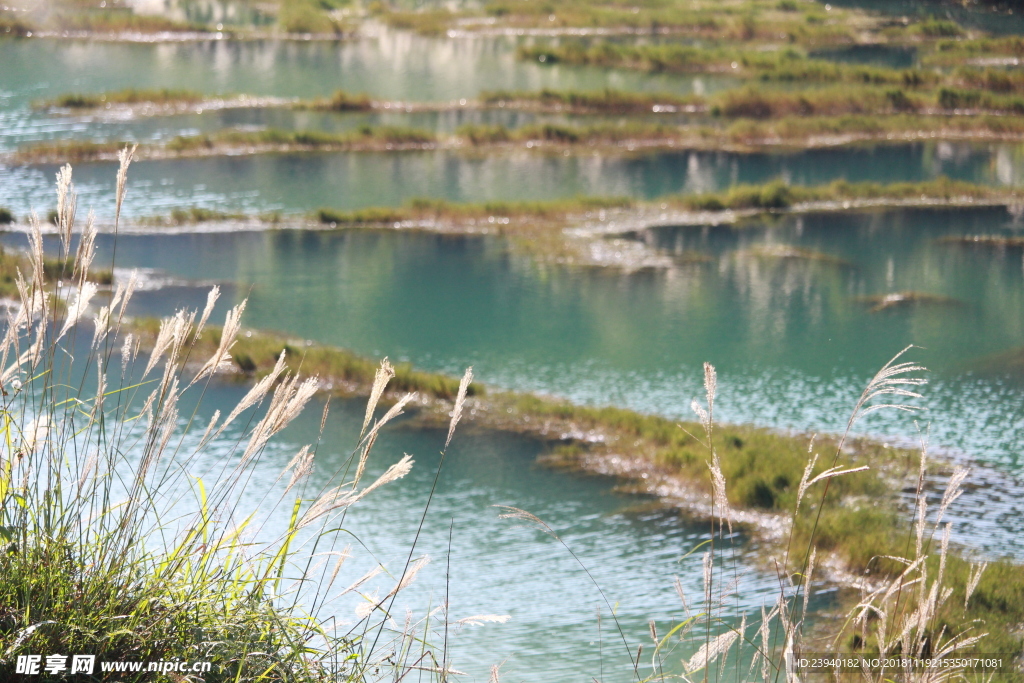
x: 123, y: 536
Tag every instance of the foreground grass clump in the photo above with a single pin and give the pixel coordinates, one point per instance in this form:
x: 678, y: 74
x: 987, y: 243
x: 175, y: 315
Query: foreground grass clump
x: 118, y: 539
x: 836, y: 500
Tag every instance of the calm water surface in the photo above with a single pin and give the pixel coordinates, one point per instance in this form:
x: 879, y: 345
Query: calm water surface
x: 389, y: 65
x: 300, y: 182
x: 794, y: 338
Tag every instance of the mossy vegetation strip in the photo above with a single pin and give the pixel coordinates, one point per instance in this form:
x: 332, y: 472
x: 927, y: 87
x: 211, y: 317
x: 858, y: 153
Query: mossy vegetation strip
x: 861, y: 522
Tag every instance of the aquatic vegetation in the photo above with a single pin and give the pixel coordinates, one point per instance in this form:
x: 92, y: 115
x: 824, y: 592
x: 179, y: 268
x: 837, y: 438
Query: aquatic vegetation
x: 340, y: 101
x: 779, y: 195
x: 418, y: 210
x: 607, y: 101
x: 126, y: 96
x: 884, y: 302
x: 222, y: 142
x: 311, y: 139
x: 70, y: 150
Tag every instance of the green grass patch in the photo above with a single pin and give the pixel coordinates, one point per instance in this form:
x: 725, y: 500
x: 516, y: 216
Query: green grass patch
x: 126, y: 96
x: 607, y: 101
x: 363, y: 136
x: 779, y: 195
x: 441, y: 210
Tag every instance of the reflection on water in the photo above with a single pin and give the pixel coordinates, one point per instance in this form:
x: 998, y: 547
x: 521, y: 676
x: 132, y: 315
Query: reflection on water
x: 781, y: 308
x: 388, y: 65
x: 300, y: 182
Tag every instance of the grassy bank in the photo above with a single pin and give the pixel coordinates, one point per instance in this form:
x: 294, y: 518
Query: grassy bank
x: 857, y: 521
x: 441, y: 211
x: 793, y: 21
x: 775, y: 195
x: 738, y: 135
x: 107, y: 551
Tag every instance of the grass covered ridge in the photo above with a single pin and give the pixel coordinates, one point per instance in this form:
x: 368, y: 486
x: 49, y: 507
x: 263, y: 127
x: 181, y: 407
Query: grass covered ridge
x: 774, y: 195
x: 858, y: 520
x: 126, y: 96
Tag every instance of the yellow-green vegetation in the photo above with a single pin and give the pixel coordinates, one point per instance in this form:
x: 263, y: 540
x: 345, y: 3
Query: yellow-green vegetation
x: 255, y: 355
x: 957, y: 52
x: 310, y: 16
x: 811, y: 131
x: 67, y: 150
x: 800, y: 21
x: 607, y: 101
x: 443, y: 211
x: 120, y: 21
x: 779, y: 195
x: 775, y: 195
x: 362, y: 137
x: 190, y: 216
x: 126, y: 96
x: 563, y: 134
x: 303, y: 17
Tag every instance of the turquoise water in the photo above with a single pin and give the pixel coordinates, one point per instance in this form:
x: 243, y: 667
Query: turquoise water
x: 792, y: 338
x: 496, y: 566
x: 297, y: 183
x: 389, y: 65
